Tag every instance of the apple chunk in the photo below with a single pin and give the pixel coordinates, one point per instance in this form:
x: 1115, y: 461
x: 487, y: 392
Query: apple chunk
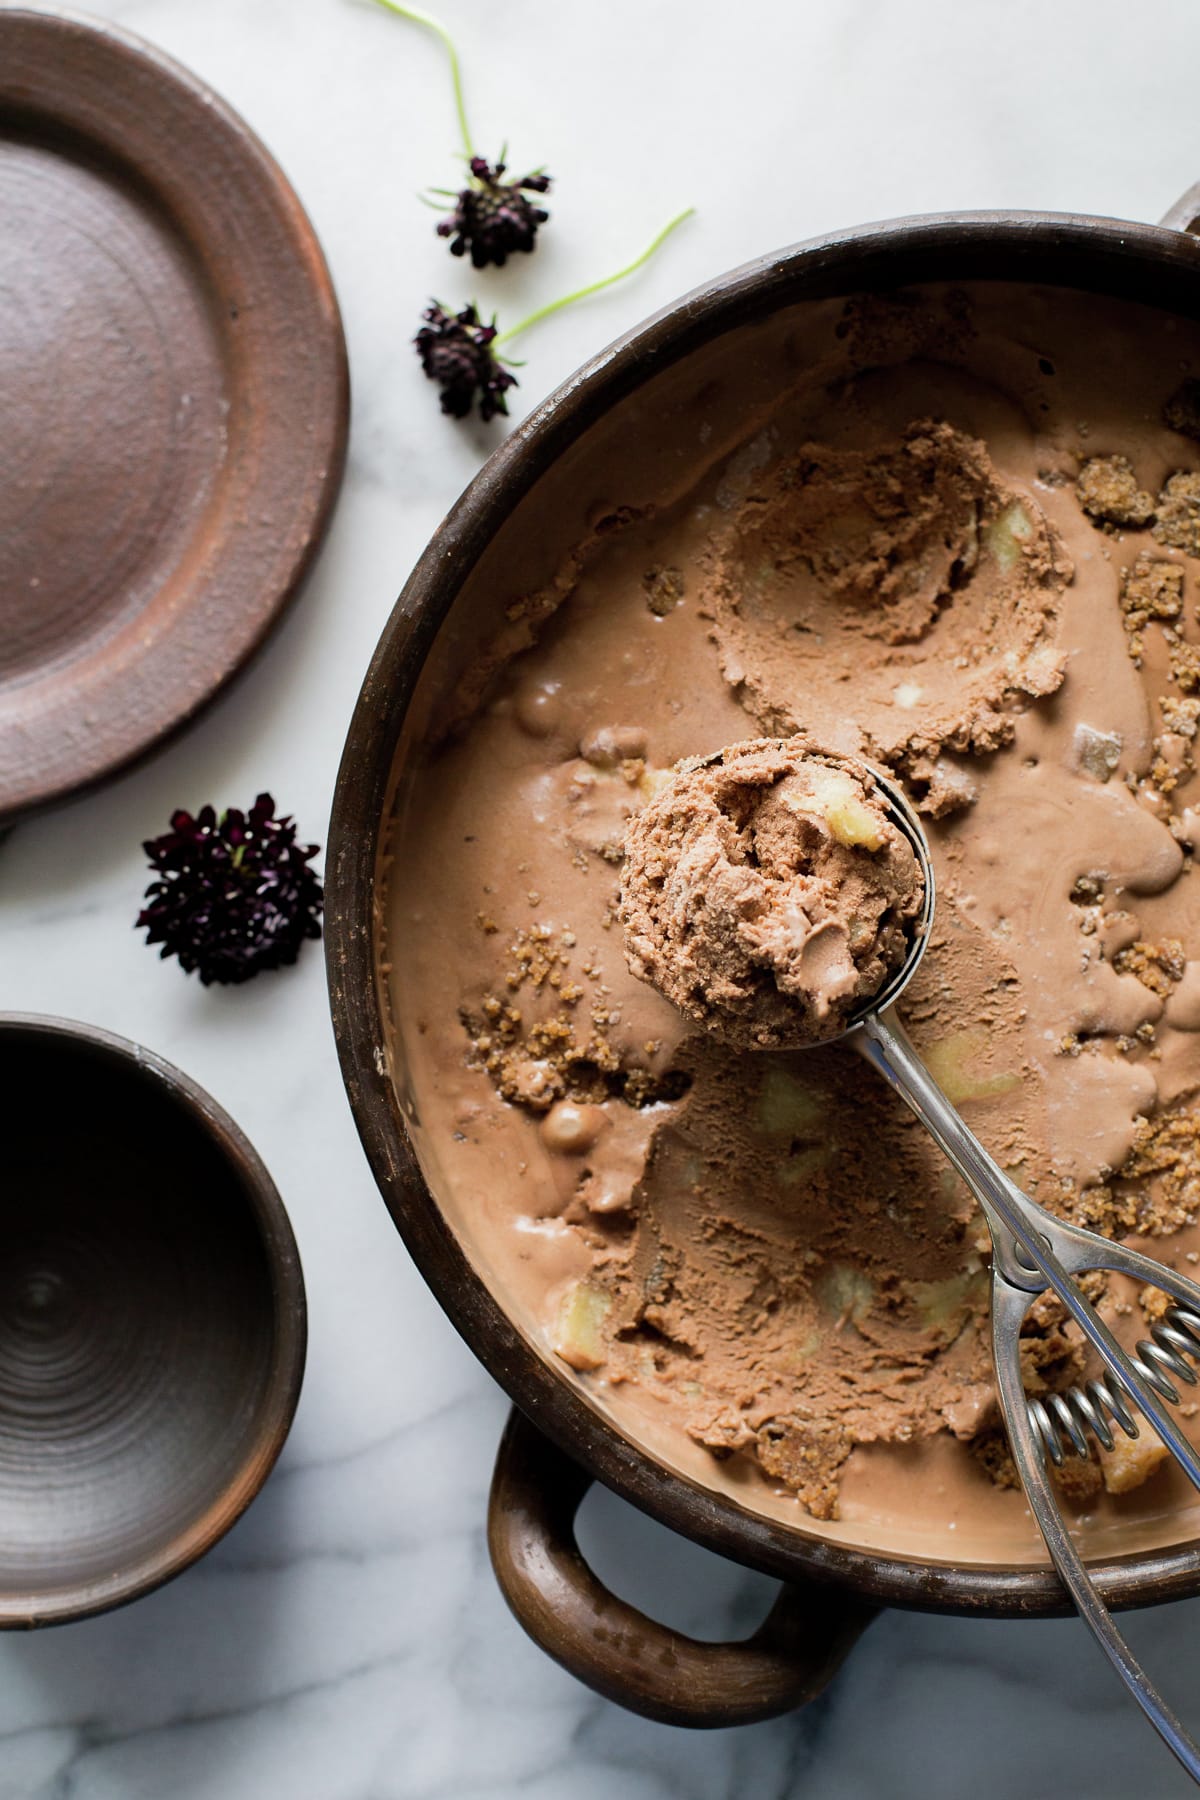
x: 838, y: 798
x: 579, y: 1337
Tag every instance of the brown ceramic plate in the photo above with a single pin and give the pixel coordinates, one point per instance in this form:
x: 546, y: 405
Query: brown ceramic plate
x: 174, y: 398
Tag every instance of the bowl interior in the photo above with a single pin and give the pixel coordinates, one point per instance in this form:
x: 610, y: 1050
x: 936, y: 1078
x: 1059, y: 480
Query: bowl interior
x: 637, y: 446
x: 146, y: 1378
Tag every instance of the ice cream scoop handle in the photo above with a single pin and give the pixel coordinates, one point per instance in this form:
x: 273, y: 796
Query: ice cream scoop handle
x: 1185, y: 214
x: 619, y: 1651
x: 1031, y: 1252
x: 1008, y: 1310
x: 1018, y: 1246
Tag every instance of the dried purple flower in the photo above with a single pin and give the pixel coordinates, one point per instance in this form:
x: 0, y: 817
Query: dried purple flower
x: 493, y: 218
x: 456, y: 352
x: 234, y: 894
x: 459, y: 353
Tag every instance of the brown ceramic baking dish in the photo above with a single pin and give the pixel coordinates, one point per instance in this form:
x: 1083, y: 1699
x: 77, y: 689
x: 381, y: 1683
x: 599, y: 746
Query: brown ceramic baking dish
x: 558, y: 1439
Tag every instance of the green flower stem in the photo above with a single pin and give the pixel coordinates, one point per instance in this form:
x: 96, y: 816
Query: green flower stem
x: 543, y: 312
x: 431, y: 24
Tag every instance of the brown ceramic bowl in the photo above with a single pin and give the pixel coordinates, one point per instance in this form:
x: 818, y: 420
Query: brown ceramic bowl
x: 152, y: 1322
x: 559, y: 1437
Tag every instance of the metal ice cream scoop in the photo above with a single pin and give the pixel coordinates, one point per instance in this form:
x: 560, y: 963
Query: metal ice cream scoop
x: 1033, y: 1251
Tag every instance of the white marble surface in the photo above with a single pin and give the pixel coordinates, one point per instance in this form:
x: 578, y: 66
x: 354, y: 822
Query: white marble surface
x: 347, y: 1642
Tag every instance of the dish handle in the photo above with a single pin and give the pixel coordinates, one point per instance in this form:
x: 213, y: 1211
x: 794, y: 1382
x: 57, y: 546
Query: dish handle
x: 615, y: 1649
x: 1185, y: 214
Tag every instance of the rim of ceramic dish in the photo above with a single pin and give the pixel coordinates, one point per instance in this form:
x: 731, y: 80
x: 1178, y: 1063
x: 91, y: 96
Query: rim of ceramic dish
x: 281, y: 1390
x: 1155, y: 265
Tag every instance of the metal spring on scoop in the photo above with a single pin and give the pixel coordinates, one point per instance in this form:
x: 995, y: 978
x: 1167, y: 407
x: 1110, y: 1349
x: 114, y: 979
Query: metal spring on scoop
x: 1062, y: 1421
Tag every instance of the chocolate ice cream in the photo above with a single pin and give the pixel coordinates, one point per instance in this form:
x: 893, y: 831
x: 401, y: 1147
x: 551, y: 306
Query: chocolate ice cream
x: 888, y: 524
x: 767, y: 892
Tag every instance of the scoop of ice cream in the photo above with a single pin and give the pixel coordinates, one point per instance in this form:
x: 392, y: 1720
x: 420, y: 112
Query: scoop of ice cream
x: 767, y: 893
